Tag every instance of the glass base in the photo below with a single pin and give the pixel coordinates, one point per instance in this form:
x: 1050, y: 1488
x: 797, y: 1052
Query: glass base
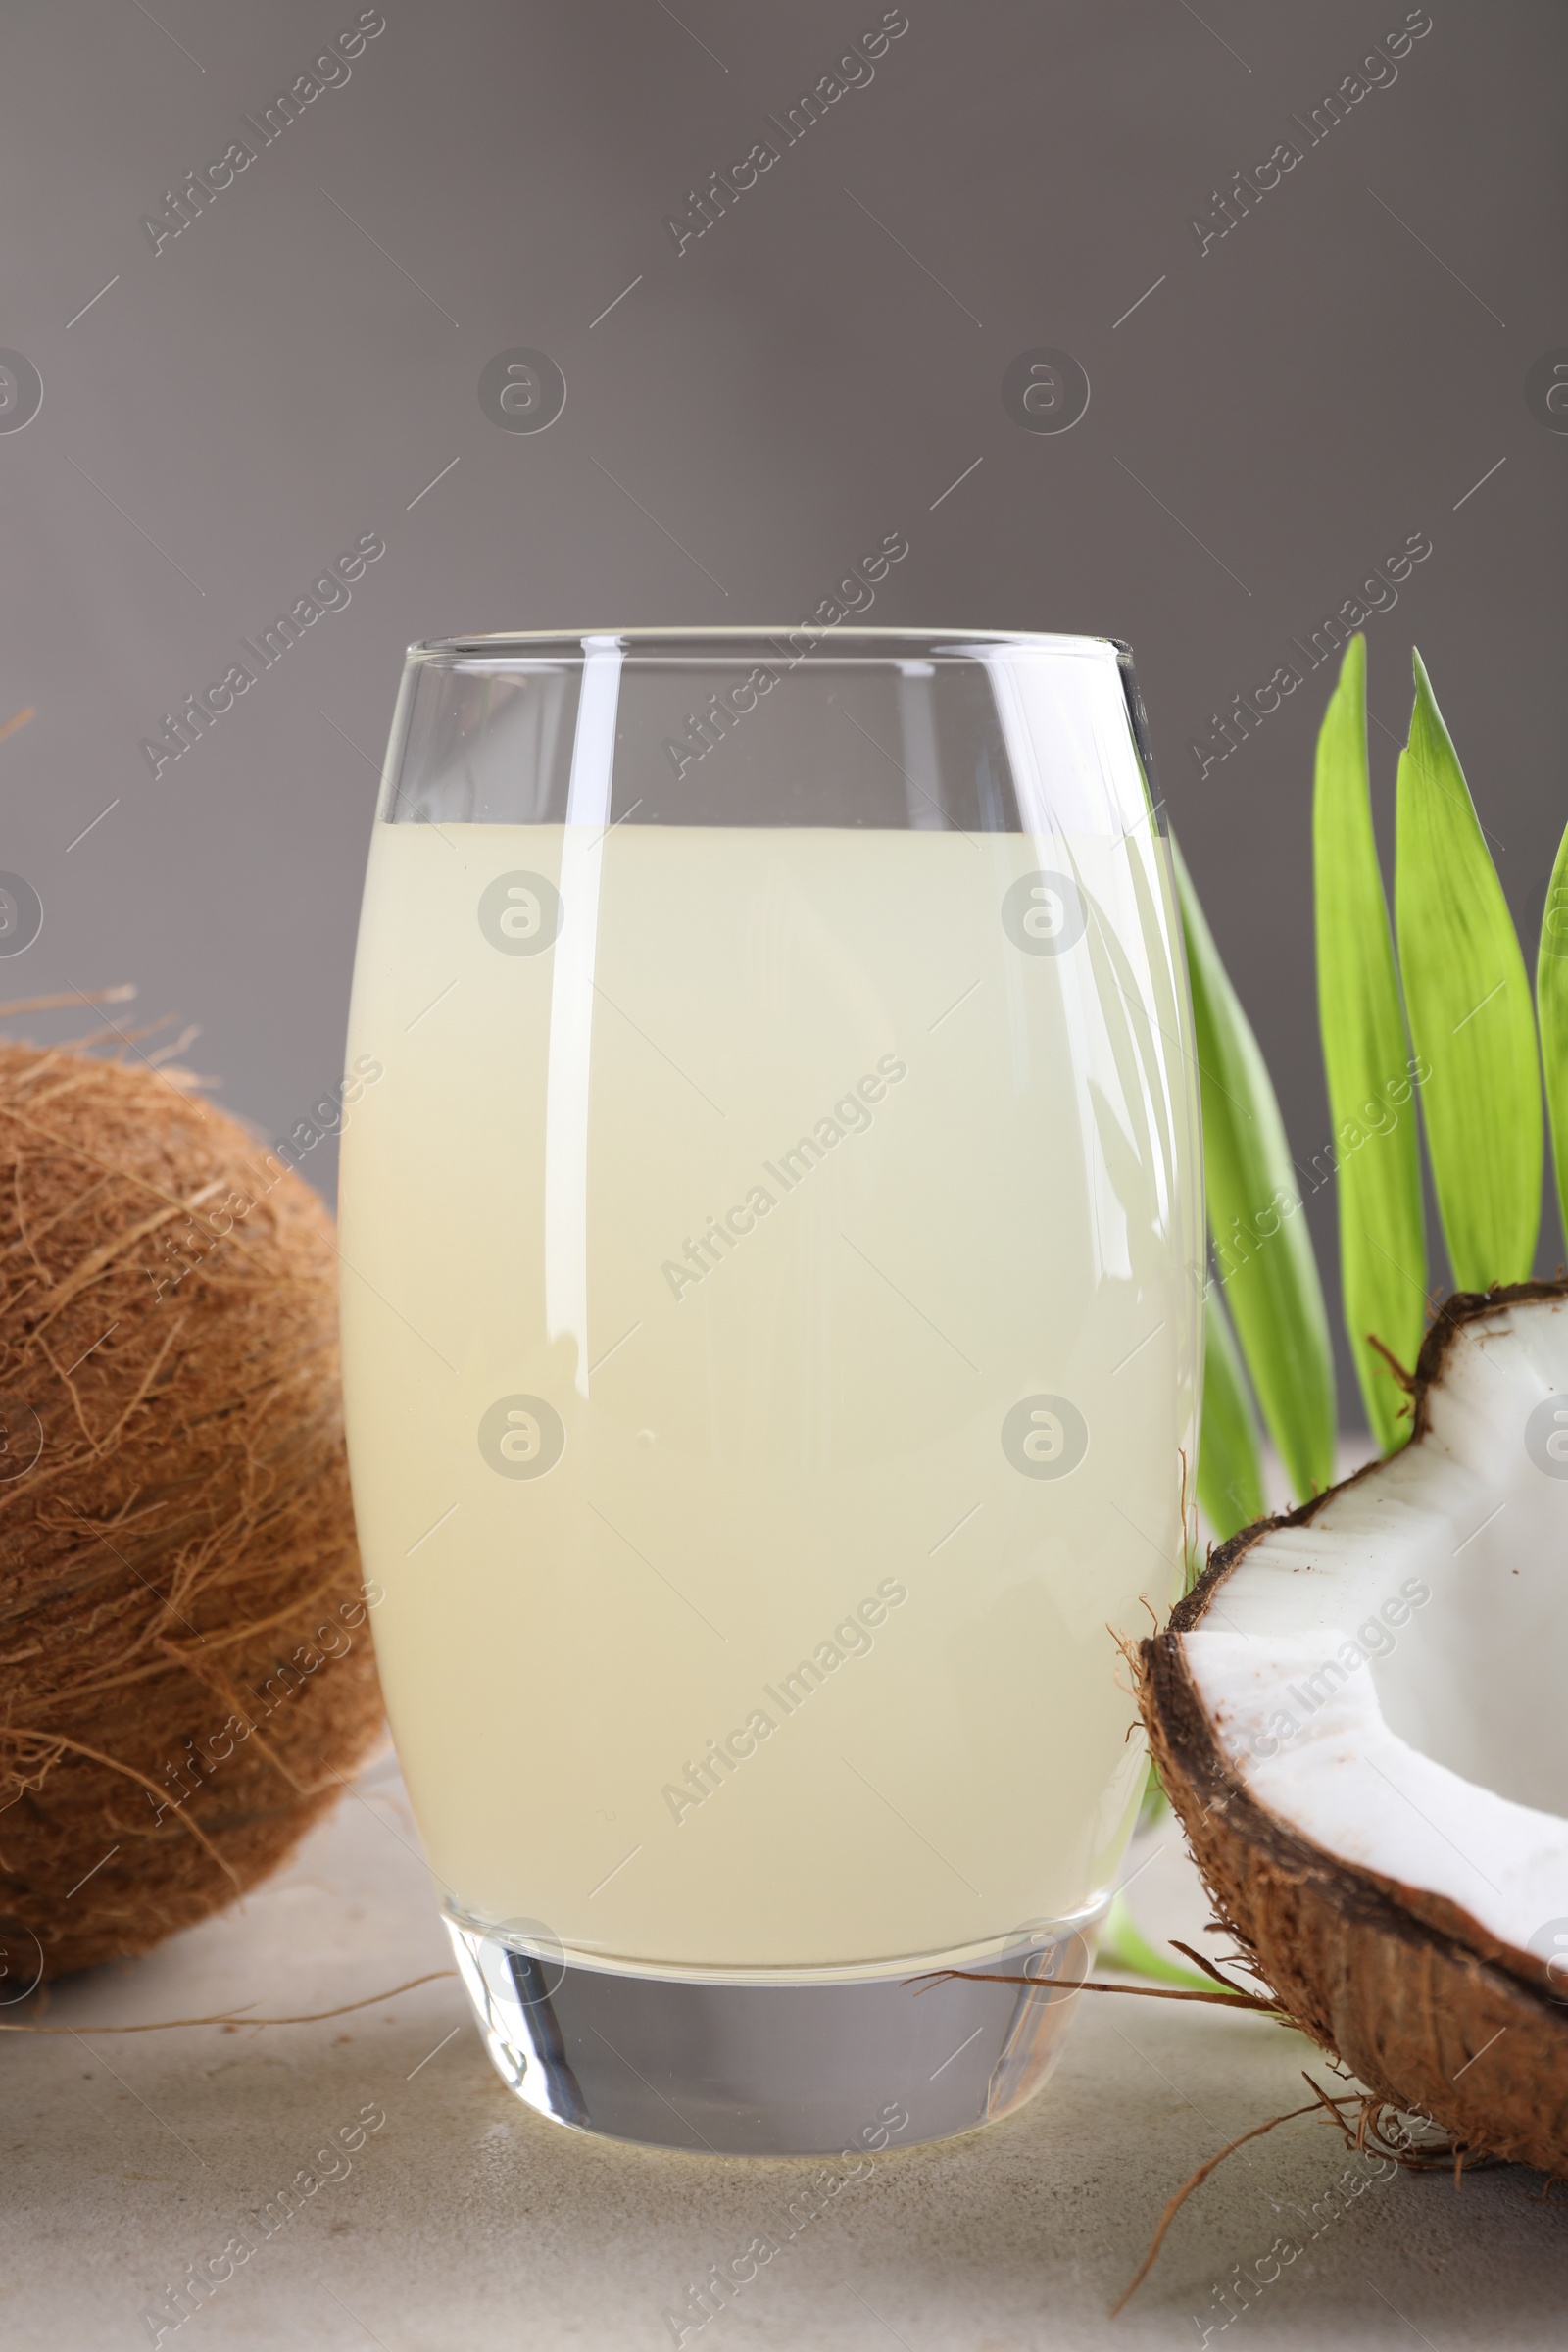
x: 733, y: 2065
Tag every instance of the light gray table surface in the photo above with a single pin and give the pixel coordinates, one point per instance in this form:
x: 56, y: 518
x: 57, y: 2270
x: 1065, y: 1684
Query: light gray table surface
x: 465, y: 2222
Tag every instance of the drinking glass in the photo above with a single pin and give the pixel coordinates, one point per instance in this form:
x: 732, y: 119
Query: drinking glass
x: 769, y: 1222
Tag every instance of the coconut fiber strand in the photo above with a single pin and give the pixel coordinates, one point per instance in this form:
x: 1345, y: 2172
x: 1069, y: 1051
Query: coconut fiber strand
x: 185, y: 1662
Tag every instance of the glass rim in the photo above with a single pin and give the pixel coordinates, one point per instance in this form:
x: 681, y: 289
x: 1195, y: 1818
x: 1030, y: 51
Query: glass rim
x: 708, y: 644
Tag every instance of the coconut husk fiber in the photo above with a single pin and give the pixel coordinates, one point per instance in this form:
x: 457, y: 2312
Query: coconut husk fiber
x: 185, y: 1662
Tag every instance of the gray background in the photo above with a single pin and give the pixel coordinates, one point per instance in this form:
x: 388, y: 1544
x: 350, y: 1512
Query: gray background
x: 303, y: 359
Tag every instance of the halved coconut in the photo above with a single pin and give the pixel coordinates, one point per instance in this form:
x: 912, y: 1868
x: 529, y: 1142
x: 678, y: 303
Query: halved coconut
x: 1360, y: 1714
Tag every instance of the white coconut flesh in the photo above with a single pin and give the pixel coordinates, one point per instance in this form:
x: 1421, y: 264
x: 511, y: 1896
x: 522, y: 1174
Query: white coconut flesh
x: 1391, y: 1678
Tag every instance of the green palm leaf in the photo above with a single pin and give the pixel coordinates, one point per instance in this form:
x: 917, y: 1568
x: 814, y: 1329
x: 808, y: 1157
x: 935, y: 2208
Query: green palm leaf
x: 1230, y: 1481
x: 1382, y: 1252
x: 1552, y: 1005
x: 1261, y: 1247
x: 1471, y: 1017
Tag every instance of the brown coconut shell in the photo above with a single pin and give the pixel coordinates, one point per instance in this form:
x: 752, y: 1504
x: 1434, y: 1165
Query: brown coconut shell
x: 1403, y: 1987
x: 177, y: 1556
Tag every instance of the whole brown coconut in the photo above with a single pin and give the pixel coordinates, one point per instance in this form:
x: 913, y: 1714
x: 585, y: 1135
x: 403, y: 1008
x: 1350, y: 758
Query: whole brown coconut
x: 185, y: 1660
x: 1407, y: 1986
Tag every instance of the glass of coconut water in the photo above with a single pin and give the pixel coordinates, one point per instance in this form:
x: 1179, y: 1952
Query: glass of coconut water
x: 771, y: 1351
